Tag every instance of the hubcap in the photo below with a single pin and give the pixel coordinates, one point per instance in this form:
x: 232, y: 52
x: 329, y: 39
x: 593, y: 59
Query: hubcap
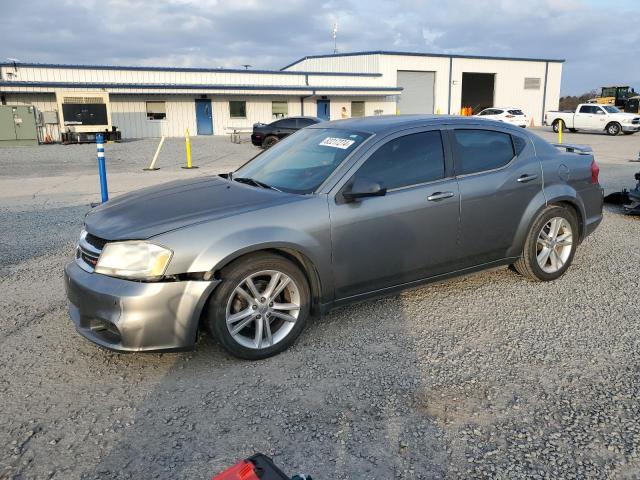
x: 263, y: 309
x: 554, y: 244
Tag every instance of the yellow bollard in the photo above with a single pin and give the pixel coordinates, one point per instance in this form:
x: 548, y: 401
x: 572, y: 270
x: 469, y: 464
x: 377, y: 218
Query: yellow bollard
x: 560, y: 128
x: 438, y: 112
x: 187, y: 146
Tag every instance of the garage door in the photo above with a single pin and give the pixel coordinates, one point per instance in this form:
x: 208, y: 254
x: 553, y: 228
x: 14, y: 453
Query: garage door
x: 417, y: 93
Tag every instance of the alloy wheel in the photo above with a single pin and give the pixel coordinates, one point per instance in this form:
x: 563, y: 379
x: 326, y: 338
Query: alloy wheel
x: 554, y: 244
x: 263, y: 309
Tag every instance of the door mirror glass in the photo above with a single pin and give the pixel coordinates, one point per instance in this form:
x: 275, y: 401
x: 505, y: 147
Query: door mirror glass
x: 363, y: 187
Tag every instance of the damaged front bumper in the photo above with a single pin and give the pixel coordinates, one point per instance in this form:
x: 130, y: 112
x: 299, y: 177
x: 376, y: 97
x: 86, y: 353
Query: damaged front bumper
x: 133, y: 316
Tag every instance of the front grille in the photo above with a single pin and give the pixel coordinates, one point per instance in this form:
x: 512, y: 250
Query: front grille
x: 94, y: 241
x: 88, y: 251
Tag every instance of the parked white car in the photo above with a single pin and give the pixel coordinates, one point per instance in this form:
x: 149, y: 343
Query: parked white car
x: 511, y: 115
x: 591, y: 116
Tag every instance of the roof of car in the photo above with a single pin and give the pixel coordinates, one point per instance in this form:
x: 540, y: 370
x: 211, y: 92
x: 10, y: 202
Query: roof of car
x: 390, y: 123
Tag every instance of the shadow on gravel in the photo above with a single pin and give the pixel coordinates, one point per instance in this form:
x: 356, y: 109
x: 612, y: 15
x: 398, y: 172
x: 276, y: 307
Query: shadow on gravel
x: 339, y: 404
x: 31, y: 233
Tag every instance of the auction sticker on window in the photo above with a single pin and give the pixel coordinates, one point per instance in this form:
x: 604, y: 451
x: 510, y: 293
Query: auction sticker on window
x: 334, y: 142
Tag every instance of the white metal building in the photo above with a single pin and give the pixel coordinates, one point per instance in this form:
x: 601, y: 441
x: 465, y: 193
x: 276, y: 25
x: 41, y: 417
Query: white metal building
x: 436, y: 83
x: 150, y: 101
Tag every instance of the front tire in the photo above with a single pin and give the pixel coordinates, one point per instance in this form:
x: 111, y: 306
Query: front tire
x: 261, y: 306
x: 613, y: 129
x: 550, y: 245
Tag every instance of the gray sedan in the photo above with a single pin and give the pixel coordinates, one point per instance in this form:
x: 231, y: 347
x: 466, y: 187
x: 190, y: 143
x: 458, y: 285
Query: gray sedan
x: 336, y: 213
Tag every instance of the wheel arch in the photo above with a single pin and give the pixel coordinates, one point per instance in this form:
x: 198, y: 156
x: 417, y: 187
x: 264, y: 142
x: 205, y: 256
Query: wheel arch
x: 565, y: 197
x: 612, y: 122
x: 291, y: 253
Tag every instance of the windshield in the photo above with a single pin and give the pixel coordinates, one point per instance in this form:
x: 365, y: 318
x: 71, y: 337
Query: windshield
x: 610, y: 109
x: 301, y: 162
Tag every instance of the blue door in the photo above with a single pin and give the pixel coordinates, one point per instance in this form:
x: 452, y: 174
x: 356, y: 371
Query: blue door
x: 323, y: 109
x: 204, y: 117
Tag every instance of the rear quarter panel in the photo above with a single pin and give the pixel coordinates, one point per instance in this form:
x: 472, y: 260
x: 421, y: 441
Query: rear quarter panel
x: 567, y: 178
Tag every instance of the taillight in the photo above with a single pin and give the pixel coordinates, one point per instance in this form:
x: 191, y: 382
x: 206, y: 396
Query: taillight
x: 595, y: 172
x: 509, y: 116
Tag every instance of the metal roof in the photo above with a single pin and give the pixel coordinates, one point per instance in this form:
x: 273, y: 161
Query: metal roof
x: 423, y: 54
x: 163, y: 86
x: 179, y: 69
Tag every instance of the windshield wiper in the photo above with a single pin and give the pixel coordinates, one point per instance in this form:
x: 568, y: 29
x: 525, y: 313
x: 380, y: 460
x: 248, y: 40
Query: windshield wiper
x: 257, y: 183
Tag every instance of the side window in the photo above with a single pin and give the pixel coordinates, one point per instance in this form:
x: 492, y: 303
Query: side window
x: 287, y: 123
x: 404, y: 161
x: 519, y: 143
x: 599, y: 111
x: 304, y: 122
x: 586, y: 109
x: 481, y: 150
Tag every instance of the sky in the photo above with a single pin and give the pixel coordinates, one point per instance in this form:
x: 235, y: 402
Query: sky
x: 597, y: 38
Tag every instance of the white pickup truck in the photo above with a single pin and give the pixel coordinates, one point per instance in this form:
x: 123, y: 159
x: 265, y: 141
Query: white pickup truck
x: 593, y: 116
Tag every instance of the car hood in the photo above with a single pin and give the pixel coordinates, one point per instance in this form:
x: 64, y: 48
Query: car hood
x: 624, y: 116
x: 155, y: 210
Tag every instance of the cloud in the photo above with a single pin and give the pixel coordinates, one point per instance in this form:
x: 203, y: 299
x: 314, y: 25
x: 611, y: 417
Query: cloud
x: 227, y: 33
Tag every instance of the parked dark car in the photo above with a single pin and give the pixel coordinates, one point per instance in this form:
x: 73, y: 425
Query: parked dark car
x: 266, y: 136
x: 338, y: 212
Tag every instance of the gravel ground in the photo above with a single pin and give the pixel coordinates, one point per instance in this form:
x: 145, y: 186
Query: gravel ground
x: 484, y: 376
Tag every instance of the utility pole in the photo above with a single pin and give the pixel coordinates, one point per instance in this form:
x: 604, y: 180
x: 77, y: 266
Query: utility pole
x: 334, y: 34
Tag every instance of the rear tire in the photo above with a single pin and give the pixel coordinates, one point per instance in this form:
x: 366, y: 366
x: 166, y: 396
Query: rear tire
x: 253, y: 318
x: 269, y: 142
x: 556, y: 126
x: 613, y: 129
x: 547, y: 254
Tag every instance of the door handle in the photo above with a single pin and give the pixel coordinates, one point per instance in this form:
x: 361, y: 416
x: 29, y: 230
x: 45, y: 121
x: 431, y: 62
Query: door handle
x: 527, y: 178
x: 434, y: 197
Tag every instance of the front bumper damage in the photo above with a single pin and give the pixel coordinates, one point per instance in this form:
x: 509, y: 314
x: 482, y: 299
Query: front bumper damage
x: 132, y: 316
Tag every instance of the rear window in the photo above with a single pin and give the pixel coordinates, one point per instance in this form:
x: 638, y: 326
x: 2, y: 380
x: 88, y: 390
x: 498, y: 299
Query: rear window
x: 482, y: 150
x: 516, y: 112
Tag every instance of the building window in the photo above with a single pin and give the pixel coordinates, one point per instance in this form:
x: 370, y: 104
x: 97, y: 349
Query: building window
x: 279, y: 109
x: 156, y: 111
x: 238, y: 109
x: 357, y: 109
x: 531, y: 83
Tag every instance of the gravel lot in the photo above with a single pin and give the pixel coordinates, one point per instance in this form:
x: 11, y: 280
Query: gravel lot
x: 484, y: 376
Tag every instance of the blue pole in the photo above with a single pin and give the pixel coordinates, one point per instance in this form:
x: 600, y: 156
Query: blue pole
x: 102, y: 169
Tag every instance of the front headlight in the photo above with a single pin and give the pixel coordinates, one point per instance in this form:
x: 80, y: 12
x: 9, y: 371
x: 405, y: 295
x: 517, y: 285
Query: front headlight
x: 134, y: 260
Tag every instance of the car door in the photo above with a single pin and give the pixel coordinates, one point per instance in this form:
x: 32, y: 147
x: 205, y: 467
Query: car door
x: 584, y: 118
x: 408, y: 234
x: 285, y: 127
x: 498, y: 175
x: 600, y: 118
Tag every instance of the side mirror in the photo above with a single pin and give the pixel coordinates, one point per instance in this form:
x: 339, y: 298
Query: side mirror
x: 362, y: 188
